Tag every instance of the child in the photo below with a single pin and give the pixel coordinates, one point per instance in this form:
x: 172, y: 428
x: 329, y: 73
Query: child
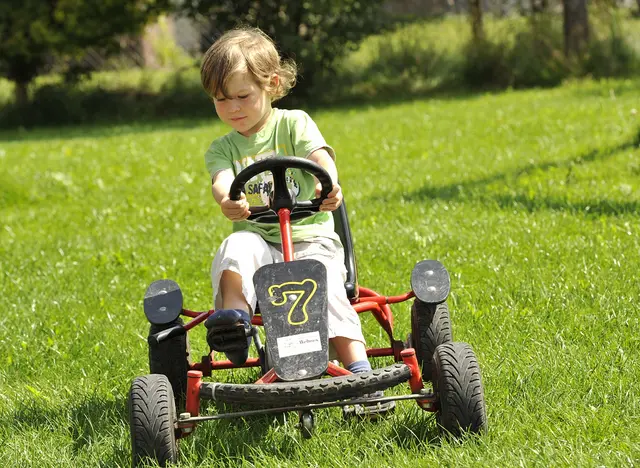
x: 244, y: 75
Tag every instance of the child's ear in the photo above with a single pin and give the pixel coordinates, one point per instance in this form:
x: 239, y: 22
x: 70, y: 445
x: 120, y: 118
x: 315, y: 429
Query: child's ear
x: 275, y: 81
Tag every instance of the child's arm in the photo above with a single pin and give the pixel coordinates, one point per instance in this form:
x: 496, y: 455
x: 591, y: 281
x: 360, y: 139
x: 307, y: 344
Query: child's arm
x: 234, y: 210
x: 334, y: 199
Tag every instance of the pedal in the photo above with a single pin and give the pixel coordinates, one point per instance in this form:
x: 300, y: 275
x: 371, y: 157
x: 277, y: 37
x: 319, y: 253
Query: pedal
x: 371, y: 411
x: 230, y: 331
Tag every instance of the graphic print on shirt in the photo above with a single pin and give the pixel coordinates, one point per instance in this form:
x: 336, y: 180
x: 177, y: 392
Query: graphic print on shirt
x: 257, y: 190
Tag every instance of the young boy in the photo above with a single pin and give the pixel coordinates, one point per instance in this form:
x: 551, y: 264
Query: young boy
x: 244, y: 75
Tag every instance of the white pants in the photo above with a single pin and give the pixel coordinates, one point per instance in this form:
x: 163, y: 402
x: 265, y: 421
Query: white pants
x: 244, y: 252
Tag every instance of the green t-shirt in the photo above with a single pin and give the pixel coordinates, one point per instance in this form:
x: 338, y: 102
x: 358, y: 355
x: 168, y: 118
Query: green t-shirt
x: 286, y: 133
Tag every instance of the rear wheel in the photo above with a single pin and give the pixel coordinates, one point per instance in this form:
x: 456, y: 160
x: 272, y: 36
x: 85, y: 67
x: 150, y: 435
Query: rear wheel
x: 306, y: 424
x: 171, y: 358
x: 430, y: 327
x: 152, y: 420
x: 458, y: 389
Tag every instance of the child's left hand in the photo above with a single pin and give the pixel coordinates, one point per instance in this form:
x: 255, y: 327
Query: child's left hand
x: 333, y: 200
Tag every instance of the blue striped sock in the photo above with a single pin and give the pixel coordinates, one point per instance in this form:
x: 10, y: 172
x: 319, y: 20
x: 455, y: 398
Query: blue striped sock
x: 359, y: 366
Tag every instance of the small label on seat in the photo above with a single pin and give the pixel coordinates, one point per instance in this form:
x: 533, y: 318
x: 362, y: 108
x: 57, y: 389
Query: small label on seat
x: 293, y: 345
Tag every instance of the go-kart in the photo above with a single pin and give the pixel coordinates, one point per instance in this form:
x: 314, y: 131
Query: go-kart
x: 295, y: 371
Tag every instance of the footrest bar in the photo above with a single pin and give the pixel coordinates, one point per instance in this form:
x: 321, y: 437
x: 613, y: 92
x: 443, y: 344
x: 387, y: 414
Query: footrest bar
x: 286, y: 409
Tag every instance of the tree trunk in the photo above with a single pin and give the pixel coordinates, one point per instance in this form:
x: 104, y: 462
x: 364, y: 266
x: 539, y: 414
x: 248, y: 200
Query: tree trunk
x: 475, y: 9
x: 576, y: 27
x: 638, y: 12
x: 541, y: 6
x: 20, y: 93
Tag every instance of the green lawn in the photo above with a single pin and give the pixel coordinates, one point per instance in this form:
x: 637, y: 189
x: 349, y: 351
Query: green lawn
x: 531, y: 199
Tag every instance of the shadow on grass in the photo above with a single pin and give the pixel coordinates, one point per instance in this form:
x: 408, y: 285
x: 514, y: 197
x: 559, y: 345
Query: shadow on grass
x: 475, y: 189
x: 203, y: 113
x: 88, y: 423
x: 93, y: 418
x: 230, y: 440
x: 105, y: 129
x: 253, y: 438
x: 416, y: 428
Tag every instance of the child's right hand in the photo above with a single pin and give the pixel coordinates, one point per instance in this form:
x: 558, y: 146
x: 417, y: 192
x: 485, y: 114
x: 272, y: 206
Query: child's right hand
x: 235, y: 210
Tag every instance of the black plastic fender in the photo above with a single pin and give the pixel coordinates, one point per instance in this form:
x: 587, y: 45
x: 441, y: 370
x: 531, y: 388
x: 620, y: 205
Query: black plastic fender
x: 430, y: 281
x: 162, y: 302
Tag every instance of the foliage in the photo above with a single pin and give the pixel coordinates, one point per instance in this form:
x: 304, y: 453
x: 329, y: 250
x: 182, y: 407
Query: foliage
x: 530, y: 54
x: 517, y: 52
x: 132, y: 95
x: 611, y: 53
x: 313, y: 33
x: 169, y: 54
x: 414, y: 59
x: 32, y: 32
x: 530, y: 199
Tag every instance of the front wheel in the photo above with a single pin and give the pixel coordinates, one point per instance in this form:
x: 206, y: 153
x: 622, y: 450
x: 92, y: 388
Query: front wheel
x: 458, y: 389
x: 430, y: 327
x: 171, y: 358
x: 152, y: 421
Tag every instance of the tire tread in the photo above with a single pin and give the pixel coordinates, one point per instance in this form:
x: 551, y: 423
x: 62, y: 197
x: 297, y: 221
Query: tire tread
x: 151, y: 415
x: 458, y: 386
x: 312, y: 391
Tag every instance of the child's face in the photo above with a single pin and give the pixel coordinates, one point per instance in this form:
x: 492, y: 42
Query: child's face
x: 248, y: 106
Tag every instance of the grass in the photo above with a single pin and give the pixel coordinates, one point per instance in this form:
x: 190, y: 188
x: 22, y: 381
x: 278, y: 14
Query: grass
x: 530, y: 198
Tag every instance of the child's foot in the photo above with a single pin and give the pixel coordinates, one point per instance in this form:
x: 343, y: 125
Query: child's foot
x: 229, y: 331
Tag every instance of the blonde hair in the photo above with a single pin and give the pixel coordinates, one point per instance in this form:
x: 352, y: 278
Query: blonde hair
x: 246, y: 49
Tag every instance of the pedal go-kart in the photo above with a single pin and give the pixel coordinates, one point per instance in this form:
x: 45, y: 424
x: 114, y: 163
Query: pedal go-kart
x: 296, y: 373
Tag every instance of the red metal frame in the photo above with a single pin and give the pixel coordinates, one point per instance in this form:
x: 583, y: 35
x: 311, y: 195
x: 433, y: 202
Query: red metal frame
x: 337, y: 371
x: 415, y: 382
x: 367, y: 300
x: 284, y: 215
x: 194, y: 381
x: 268, y: 378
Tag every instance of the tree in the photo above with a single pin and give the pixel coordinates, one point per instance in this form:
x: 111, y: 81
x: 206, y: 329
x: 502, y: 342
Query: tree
x: 576, y: 27
x: 33, y: 32
x: 477, y: 29
x: 313, y: 33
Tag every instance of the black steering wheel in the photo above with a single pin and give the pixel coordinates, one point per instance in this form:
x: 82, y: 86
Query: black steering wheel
x: 281, y: 197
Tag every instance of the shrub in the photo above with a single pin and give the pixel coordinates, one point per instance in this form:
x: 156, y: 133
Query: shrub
x: 612, y: 54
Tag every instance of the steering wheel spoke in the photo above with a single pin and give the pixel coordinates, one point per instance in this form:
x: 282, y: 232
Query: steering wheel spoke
x: 281, y: 196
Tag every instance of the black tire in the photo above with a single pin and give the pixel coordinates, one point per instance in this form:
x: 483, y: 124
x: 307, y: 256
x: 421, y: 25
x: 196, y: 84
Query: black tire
x: 430, y: 327
x: 152, y: 420
x: 307, y: 391
x: 458, y: 388
x: 171, y: 358
x: 307, y: 424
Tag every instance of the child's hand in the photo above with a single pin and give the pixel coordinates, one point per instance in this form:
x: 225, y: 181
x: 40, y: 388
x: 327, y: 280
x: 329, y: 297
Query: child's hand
x: 235, y: 210
x: 333, y: 200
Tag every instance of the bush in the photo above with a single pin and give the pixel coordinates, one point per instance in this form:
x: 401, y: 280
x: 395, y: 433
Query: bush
x: 485, y: 65
x: 517, y: 52
x: 612, y: 54
x: 112, y: 96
